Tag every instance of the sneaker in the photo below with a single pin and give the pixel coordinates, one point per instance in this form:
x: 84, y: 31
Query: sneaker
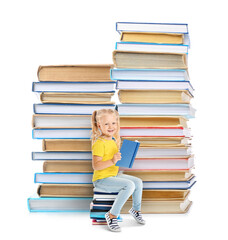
x: 112, y: 223
x: 137, y: 216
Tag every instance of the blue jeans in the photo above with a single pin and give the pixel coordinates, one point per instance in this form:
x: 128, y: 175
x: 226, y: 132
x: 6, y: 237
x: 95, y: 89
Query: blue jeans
x: 126, y: 185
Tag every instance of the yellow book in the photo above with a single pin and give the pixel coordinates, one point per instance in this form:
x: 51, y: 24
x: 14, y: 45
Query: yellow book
x: 157, y: 206
x: 67, y: 166
x: 65, y: 190
x: 86, y: 190
x: 164, y: 194
x: 130, y: 59
x: 158, y: 141
x: 65, y: 145
x: 150, y: 37
x: 79, y: 98
x: 154, y: 96
x: 75, y: 73
x: 153, y: 121
x: 161, y: 175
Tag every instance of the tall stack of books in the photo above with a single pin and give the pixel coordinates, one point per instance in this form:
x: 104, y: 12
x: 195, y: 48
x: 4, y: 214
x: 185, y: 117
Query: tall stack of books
x: 154, y: 91
x: 68, y: 94
x: 151, y: 75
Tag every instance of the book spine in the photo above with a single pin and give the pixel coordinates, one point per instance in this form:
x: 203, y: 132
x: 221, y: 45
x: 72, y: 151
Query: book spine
x: 133, y: 158
x: 35, y: 178
x: 33, y: 86
x: 28, y: 205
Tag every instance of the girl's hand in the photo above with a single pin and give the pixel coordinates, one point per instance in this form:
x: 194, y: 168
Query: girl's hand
x: 116, y: 157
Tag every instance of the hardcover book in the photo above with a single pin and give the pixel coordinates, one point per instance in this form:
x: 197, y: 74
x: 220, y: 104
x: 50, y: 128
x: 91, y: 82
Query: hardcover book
x: 74, y: 73
x: 151, y: 47
x: 151, y: 27
x: 128, y: 152
x: 154, y: 37
x: 129, y: 59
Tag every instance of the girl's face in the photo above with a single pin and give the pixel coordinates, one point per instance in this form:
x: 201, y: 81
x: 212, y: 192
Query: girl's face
x: 108, y: 125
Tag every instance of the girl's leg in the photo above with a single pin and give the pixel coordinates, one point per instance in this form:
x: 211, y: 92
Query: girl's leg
x: 137, y: 194
x: 135, y: 211
x: 125, y: 188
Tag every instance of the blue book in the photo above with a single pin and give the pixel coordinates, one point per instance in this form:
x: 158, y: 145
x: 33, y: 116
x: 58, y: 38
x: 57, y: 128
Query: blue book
x: 128, y: 152
x: 74, y: 86
x: 101, y: 215
x: 149, y: 74
x: 60, y: 178
x: 68, y: 109
x: 58, y: 204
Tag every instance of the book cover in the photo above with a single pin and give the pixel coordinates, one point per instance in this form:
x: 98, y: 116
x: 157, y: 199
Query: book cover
x: 128, y: 152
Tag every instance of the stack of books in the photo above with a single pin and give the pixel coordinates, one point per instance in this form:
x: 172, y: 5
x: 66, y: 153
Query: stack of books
x: 153, y: 201
x: 100, y: 205
x: 154, y: 91
x: 69, y: 94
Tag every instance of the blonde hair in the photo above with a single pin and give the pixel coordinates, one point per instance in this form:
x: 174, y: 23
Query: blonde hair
x: 96, y: 116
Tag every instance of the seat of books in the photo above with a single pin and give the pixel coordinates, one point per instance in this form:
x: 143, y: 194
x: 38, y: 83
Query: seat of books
x: 101, y: 204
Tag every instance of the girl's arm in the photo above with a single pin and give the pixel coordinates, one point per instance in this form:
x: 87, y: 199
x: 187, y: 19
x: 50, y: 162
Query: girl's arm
x: 98, y: 164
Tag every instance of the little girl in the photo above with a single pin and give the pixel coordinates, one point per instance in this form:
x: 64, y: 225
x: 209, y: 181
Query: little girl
x: 105, y: 150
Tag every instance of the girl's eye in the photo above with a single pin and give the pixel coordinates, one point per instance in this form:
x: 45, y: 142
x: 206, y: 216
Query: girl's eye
x: 113, y: 123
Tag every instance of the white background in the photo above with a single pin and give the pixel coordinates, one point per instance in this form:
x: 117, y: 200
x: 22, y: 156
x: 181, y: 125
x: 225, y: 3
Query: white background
x: 47, y: 32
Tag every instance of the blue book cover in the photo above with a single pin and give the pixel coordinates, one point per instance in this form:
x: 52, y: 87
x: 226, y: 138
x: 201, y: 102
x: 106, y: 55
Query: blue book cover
x: 128, y: 152
x: 101, y: 215
x: 58, y: 204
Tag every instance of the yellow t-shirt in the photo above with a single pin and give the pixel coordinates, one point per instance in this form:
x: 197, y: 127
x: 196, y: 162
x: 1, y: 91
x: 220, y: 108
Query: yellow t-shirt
x: 106, y: 149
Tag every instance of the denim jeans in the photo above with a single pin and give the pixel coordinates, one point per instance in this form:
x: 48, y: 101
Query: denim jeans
x: 126, y: 185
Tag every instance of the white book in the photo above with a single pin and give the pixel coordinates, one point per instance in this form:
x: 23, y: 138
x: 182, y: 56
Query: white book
x: 151, y: 47
x: 101, y: 196
x: 150, y: 74
x: 170, y: 184
x: 164, y: 152
x: 43, y: 204
x: 63, y: 178
x: 163, y: 164
x: 61, y: 156
x: 76, y: 133
x: 61, y: 121
x: 154, y: 132
x: 155, y: 85
x: 73, y: 86
x: 49, y: 108
x: 74, y: 178
x: 87, y: 178
x: 152, y: 27
x: 185, y: 110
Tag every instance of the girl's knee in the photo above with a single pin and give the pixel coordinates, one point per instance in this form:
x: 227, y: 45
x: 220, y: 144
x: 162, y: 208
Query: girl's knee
x: 139, y: 183
x: 130, y: 186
